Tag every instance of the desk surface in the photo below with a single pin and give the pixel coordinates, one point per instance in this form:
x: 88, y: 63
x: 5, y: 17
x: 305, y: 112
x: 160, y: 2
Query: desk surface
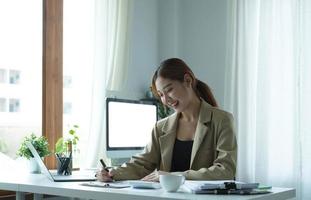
x: 39, y: 184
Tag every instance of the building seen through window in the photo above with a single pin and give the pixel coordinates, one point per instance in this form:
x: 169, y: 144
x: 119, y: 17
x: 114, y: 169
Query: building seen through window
x: 78, y: 63
x: 14, y: 76
x: 3, y: 105
x: 2, y: 76
x: 20, y: 72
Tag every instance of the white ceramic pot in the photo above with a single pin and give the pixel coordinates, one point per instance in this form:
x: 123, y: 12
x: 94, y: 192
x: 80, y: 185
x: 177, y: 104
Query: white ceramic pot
x: 33, y: 166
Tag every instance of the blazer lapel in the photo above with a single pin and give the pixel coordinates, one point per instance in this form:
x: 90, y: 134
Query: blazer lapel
x: 199, y: 136
x: 201, y: 129
x: 167, y: 141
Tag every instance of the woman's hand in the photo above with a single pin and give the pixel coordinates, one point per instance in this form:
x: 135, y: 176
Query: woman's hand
x: 154, y: 176
x: 104, y: 176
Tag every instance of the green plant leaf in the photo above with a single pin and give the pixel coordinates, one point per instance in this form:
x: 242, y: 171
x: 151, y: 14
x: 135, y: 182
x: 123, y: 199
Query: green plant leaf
x: 62, y: 144
x: 40, y: 144
x: 71, y: 132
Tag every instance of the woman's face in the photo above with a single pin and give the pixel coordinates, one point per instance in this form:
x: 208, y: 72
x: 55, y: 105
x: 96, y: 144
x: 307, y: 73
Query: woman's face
x: 174, y: 94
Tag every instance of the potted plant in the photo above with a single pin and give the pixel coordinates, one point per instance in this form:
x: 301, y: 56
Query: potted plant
x: 163, y: 111
x: 64, y: 149
x: 40, y: 143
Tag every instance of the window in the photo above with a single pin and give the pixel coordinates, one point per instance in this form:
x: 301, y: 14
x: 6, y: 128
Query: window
x: 2, y: 76
x: 77, y: 68
x: 3, y: 105
x: 67, y: 108
x: 67, y: 81
x: 14, y: 105
x: 14, y: 76
x: 20, y: 71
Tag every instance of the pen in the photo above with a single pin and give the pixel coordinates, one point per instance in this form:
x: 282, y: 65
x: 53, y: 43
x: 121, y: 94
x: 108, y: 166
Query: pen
x: 104, y: 165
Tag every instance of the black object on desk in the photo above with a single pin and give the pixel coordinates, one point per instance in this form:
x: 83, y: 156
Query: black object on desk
x: 64, y: 164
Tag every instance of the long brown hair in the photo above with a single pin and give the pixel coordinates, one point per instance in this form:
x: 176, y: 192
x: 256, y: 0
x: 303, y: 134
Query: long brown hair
x: 175, y: 69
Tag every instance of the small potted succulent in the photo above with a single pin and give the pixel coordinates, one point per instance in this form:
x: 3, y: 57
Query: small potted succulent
x: 40, y: 143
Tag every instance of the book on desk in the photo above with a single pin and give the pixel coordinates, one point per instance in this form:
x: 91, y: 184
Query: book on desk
x: 224, y: 187
x: 138, y: 184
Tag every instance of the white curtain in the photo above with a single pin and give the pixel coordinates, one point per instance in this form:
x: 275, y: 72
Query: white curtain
x: 110, y: 69
x: 268, y: 88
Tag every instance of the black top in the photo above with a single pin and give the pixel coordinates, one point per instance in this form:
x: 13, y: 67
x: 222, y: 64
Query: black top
x: 181, y: 155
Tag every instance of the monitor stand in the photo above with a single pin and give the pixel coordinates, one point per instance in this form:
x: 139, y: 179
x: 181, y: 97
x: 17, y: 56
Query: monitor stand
x: 118, y: 161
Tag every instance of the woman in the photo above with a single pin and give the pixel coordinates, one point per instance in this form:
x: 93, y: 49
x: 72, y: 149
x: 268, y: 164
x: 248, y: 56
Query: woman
x: 197, y: 141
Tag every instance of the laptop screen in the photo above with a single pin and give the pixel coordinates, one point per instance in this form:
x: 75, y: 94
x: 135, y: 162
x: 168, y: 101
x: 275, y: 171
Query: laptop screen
x: 41, y: 164
x: 78, y: 176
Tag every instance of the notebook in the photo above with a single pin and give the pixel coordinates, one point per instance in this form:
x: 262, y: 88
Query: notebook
x: 76, y: 176
x: 224, y: 187
x: 144, y: 184
x: 138, y: 184
x: 115, y: 184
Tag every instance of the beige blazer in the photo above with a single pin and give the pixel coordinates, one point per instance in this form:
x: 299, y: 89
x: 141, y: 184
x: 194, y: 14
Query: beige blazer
x: 214, y: 150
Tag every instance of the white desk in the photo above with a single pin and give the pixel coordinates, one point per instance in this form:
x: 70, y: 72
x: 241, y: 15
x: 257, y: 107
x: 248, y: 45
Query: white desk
x: 39, y: 184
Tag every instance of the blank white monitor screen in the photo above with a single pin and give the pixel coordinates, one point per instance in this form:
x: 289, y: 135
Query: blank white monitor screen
x: 129, y: 126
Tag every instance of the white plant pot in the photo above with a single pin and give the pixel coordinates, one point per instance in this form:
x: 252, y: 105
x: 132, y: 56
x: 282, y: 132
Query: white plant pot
x: 33, y: 166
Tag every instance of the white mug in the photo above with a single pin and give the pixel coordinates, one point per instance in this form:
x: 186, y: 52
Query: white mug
x: 171, y: 182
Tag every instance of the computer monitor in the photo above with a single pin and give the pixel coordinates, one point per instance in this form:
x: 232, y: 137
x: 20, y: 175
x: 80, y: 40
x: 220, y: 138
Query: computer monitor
x: 129, y: 126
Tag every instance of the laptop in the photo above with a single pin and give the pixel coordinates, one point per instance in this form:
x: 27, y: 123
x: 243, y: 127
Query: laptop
x: 76, y: 176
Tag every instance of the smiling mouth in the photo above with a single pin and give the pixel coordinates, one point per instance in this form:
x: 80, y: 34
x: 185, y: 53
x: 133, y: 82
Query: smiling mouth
x: 173, y: 104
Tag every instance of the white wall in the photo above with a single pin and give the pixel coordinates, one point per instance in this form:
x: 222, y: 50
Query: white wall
x: 169, y: 29
x: 203, y: 41
x: 143, y: 49
x: 194, y: 30
x: 200, y: 31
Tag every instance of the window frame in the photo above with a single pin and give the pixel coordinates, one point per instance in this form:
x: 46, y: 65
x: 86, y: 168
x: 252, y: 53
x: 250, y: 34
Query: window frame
x: 52, y: 75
